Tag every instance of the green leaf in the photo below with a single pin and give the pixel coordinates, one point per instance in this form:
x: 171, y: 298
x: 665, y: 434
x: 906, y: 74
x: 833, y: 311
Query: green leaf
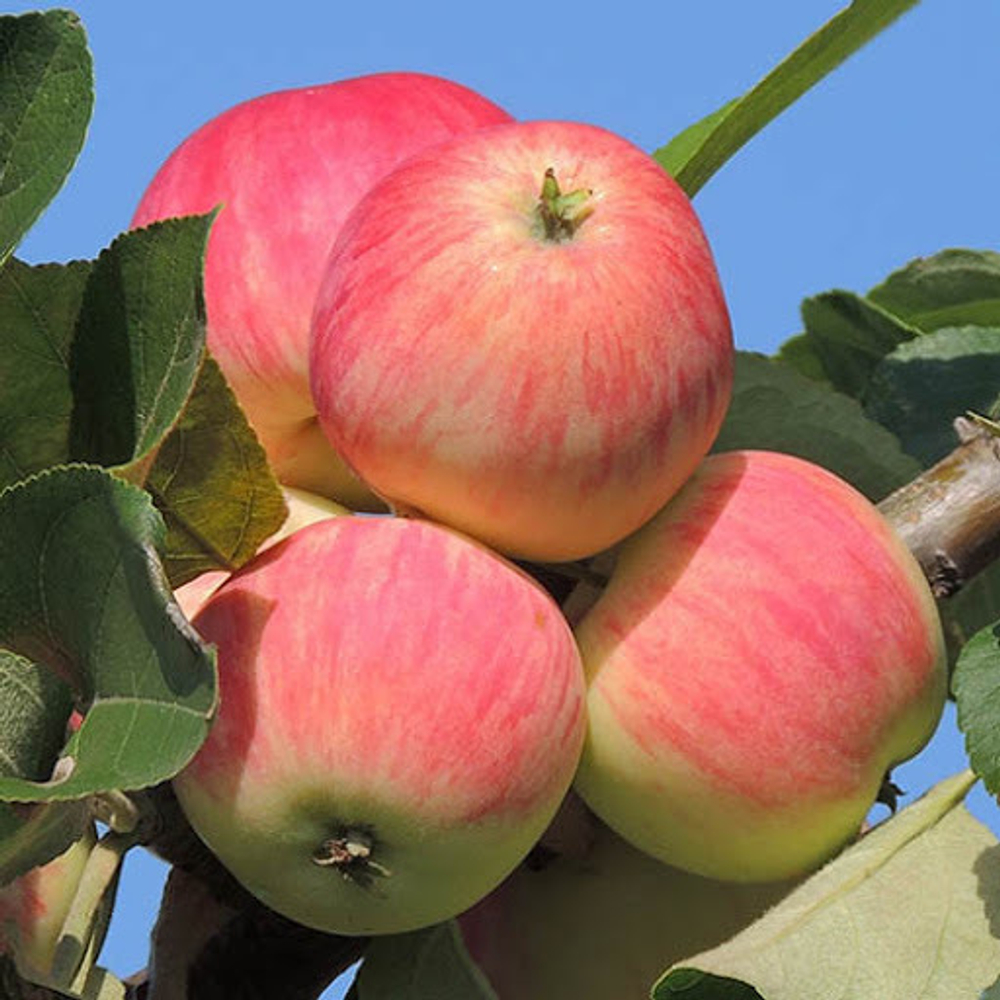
x: 921, y: 387
x: 35, y: 707
x: 974, y: 607
x: 212, y: 483
x: 139, y: 341
x: 685, y: 146
x: 34, y: 835
x: 952, y: 288
x: 976, y: 686
x: 38, y: 310
x: 46, y: 98
x: 993, y: 993
x: 82, y: 591
x: 777, y: 409
x: 849, y: 336
x: 105, y: 362
x: 799, y: 352
x: 100, y: 357
x: 426, y: 965
x: 699, y: 151
x: 690, y: 983
x: 903, y: 914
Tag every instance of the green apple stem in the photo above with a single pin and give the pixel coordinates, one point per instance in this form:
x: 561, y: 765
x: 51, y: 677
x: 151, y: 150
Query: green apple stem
x: 350, y: 852
x: 116, y: 810
x: 561, y: 215
x: 102, y: 985
x: 91, y: 981
x: 84, y: 918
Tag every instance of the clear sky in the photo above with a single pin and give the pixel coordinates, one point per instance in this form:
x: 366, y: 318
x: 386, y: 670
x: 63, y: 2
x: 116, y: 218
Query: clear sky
x: 895, y: 156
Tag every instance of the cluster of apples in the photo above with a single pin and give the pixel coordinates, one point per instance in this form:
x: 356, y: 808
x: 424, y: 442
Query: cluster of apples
x: 512, y: 336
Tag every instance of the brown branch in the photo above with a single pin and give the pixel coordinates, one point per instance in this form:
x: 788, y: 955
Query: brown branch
x: 949, y: 516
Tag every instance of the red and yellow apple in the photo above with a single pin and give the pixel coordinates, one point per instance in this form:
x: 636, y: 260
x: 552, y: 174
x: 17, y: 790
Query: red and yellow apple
x: 598, y: 919
x: 286, y: 169
x: 401, y: 714
x: 34, y: 907
x: 521, y: 334
x: 766, y: 649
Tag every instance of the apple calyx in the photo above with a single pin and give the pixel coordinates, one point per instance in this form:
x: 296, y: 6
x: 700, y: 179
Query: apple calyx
x: 349, y: 852
x: 561, y: 215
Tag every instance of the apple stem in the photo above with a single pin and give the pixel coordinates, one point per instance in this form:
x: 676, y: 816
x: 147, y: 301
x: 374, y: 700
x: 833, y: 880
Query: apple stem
x: 116, y: 810
x: 91, y: 904
x: 561, y: 215
x: 889, y: 793
x: 350, y: 853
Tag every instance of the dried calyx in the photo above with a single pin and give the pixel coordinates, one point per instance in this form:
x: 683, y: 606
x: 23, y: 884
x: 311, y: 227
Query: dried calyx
x: 350, y: 852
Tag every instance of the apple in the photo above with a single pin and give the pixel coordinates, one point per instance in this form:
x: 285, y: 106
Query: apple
x: 304, y: 508
x: 593, y: 917
x: 765, y: 651
x: 287, y: 168
x: 401, y: 714
x: 34, y: 907
x: 521, y: 333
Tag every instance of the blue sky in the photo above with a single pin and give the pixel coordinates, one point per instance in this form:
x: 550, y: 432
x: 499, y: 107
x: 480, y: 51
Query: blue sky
x: 895, y: 156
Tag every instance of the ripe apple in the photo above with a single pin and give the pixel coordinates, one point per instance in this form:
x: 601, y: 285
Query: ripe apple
x: 401, y: 715
x: 766, y: 649
x: 287, y: 168
x: 598, y: 919
x: 304, y: 508
x: 521, y: 334
x: 34, y: 907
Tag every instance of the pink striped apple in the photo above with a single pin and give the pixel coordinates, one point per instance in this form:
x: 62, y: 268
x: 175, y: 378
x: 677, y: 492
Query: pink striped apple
x: 595, y: 918
x: 287, y: 168
x: 34, y: 906
x: 521, y: 334
x: 766, y: 649
x: 401, y: 715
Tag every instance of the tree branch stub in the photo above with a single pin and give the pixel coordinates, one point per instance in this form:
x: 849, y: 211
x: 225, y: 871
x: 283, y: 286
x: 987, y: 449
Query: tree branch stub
x: 949, y: 516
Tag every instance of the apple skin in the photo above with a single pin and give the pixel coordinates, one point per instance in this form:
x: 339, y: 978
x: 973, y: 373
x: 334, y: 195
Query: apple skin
x: 545, y: 396
x: 304, y: 508
x: 390, y: 677
x: 599, y: 919
x: 34, y: 907
x: 766, y: 649
x: 287, y: 168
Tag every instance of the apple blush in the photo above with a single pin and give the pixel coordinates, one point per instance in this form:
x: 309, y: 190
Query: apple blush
x: 286, y: 169
x: 521, y: 333
x: 401, y: 714
x: 765, y: 651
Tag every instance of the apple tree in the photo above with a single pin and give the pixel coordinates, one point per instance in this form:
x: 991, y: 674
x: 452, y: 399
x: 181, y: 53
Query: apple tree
x: 138, y: 474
